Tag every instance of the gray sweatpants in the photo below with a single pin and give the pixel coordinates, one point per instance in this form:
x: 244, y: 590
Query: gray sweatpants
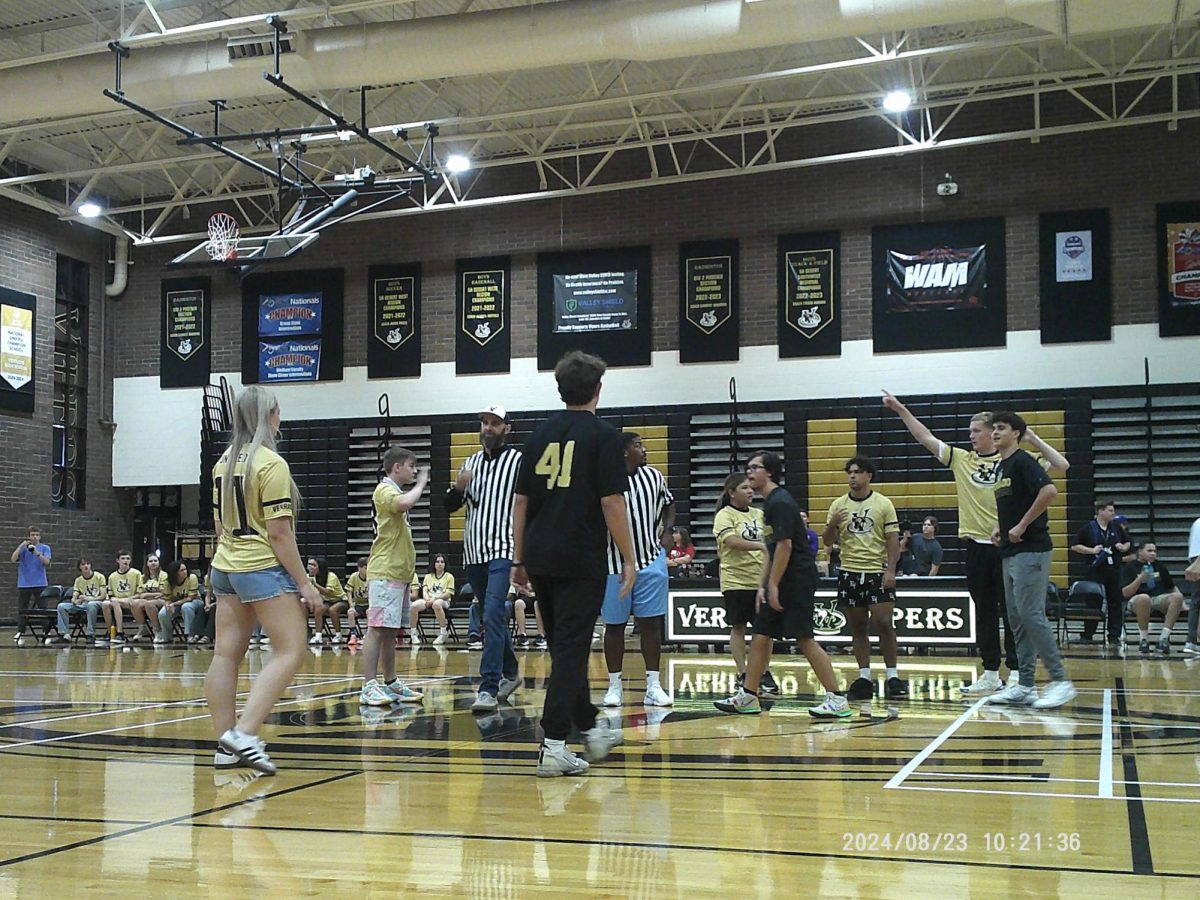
x: 1026, y: 576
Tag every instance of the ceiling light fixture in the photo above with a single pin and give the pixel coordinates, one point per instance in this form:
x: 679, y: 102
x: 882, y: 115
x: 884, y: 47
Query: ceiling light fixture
x: 90, y: 210
x: 897, y: 101
x: 456, y: 163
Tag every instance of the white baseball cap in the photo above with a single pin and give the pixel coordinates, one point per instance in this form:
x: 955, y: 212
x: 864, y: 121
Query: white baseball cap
x: 495, y: 410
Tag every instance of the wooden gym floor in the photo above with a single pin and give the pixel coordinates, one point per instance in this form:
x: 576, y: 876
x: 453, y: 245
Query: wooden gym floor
x: 108, y: 787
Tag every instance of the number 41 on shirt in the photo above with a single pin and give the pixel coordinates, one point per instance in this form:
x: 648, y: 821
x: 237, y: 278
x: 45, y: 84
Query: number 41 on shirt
x: 555, y: 464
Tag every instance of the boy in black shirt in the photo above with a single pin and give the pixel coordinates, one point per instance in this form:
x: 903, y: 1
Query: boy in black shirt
x: 569, y: 496
x: 785, y: 595
x: 1023, y: 493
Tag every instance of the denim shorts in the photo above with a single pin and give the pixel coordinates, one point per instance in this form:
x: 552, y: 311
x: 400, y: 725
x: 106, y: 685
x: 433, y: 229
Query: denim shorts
x: 250, y: 587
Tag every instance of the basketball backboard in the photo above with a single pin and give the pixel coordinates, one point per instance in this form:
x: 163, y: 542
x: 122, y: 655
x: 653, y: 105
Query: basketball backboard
x: 257, y: 249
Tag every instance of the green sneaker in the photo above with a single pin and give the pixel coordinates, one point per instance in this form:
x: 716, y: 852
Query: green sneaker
x: 741, y: 702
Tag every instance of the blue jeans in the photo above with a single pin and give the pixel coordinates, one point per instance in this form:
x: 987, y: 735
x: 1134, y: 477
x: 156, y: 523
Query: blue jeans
x: 489, y: 581
x: 475, y: 619
x: 64, y: 609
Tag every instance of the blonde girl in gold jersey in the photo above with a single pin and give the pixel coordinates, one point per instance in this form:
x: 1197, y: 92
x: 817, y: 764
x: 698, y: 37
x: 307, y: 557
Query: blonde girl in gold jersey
x: 257, y: 576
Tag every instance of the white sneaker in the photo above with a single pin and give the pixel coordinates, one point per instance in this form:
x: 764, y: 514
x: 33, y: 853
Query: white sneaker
x: 315, y: 639
x: 1014, y: 678
x: 655, y: 696
x: 1055, y: 695
x: 225, y: 760
x: 485, y: 702
x: 374, y: 694
x: 1189, y: 647
x: 507, y: 687
x: 264, y: 641
x: 442, y: 637
x: 835, y: 707
x: 249, y: 749
x: 613, y: 696
x: 1016, y: 695
x: 600, y: 739
x: 988, y: 684
x: 336, y: 639
x: 416, y: 638
x: 402, y: 693
x: 552, y: 764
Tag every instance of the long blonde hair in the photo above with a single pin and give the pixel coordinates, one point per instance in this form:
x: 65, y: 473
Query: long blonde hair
x: 252, y: 430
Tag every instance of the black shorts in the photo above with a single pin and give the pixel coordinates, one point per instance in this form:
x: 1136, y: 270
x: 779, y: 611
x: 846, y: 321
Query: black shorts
x: 739, y: 606
x: 862, y: 589
x: 796, y: 620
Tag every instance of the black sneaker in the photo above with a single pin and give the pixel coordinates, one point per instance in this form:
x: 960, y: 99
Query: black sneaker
x: 1144, y: 645
x: 474, y: 643
x: 861, y: 689
x: 59, y: 641
x: 767, y: 685
x: 542, y: 643
x: 1164, y: 646
x: 520, y: 642
x: 895, y: 689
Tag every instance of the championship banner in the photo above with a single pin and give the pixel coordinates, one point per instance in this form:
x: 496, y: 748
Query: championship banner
x: 810, y: 304
x: 709, y: 310
x: 293, y: 326
x: 483, y: 311
x: 285, y: 315
x: 18, y: 313
x: 599, y: 301
x: 288, y: 361
x: 394, y: 344
x: 939, y: 285
x: 1178, y: 269
x: 1075, y: 276
x: 185, y: 350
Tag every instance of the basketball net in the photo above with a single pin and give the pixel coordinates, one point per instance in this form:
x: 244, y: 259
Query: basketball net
x: 222, y: 237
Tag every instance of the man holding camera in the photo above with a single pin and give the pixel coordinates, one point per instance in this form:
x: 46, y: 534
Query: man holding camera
x: 32, y: 558
x: 1103, y: 541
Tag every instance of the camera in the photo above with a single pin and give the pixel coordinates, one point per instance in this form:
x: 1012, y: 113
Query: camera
x: 948, y: 186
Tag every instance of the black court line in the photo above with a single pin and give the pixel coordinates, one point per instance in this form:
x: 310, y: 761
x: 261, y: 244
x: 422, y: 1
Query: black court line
x: 174, y: 820
x: 1139, y: 837
x: 699, y: 848
x: 74, y: 819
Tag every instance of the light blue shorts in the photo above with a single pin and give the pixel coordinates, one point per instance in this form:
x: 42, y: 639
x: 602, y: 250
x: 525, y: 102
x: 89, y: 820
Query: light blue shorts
x: 647, y: 599
x: 251, y: 587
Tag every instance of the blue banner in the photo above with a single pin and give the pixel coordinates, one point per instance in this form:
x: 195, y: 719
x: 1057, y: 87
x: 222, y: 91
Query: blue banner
x: 284, y: 315
x: 288, y: 361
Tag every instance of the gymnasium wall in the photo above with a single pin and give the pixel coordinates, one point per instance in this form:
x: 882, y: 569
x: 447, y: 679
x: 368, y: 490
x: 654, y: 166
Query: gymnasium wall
x: 30, y: 242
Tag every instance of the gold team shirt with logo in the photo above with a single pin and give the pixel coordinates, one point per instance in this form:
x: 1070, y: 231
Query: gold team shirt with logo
x: 262, y: 494
x: 122, y: 587
x: 393, y: 557
x: 444, y: 585
x: 975, y: 485
x: 863, y: 536
x: 741, y: 570
x: 333, y: 585
x: 89, y: 588
x: 152, y: 583
x: 357, y: 587
x: 189, y: 589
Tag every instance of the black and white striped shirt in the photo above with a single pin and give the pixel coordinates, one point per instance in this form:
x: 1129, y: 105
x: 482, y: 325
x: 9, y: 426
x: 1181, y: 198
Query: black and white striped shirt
x: 488, y: 533
x: 645, y: 501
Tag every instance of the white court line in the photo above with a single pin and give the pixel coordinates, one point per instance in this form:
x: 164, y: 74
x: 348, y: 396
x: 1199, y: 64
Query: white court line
x: 971, y: 776
x: 1106, y: 748
x: 950, y: 790
x: 112, y: 712
x: 898, y: 779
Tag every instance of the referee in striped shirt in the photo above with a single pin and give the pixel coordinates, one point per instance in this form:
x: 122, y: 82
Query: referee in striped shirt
x: 651, y: 510
x: 485, y: 486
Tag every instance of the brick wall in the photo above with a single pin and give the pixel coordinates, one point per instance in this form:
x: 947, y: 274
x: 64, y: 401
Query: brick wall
x: 30, y: 242
x: 1127, y: 171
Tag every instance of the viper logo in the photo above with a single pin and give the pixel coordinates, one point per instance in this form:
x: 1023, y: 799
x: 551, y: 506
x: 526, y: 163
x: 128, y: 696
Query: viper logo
x: 123, y: 586
x: 985, y: 473
x: 751, y: 532
x: 483, y: 330
x: 861, y: 522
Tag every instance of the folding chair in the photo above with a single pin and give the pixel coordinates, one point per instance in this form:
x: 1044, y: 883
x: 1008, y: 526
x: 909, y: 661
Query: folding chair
x: 1080, y: 605
x: 43, y: 611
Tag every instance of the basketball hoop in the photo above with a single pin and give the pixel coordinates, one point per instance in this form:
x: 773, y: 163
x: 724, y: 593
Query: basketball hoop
x: 222, y: 237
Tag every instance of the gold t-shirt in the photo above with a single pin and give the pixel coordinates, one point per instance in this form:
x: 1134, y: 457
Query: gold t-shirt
x: 90, y: 588
x: 122, y: 587
x: 863, y: 535
x: 263, y: 493
x: 741, y: 570
x: 393, y: 557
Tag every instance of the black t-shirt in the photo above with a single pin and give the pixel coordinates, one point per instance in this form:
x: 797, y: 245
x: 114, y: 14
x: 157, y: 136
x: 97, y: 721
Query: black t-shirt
x: 781, y: 516
x: 1018, y: 480
x: 569, y: 462
x: 1162, y: 583
x: 1094, y: 533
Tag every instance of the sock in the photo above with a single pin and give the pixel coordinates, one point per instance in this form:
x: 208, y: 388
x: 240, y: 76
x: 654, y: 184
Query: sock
x: 556, y: 746
x: 614, y: 679
x: 865, y: 673
x: 652, y: 680
x: 893, y: 672
x: 987, y: 672
x: 1145, y: 633
x: 1165, y: 631
x: 833, y: 697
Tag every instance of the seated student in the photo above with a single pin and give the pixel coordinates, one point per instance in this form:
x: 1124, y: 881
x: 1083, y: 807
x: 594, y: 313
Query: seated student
x: 518, y: 600
x: 150, y: 598
x: 124, y: 585
x: 1148, y: 587
x: 682, y: 552
x: 179, y: 588
x: 926, y: 549
x: 437, y: 590
x: 91, y: 592
x: 329, y: 586
x: 539, y: 642
x: 356, y: 590
x: 199, y: 616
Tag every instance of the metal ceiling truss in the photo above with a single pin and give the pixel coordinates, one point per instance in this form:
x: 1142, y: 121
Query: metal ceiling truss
x: 635, y: 124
